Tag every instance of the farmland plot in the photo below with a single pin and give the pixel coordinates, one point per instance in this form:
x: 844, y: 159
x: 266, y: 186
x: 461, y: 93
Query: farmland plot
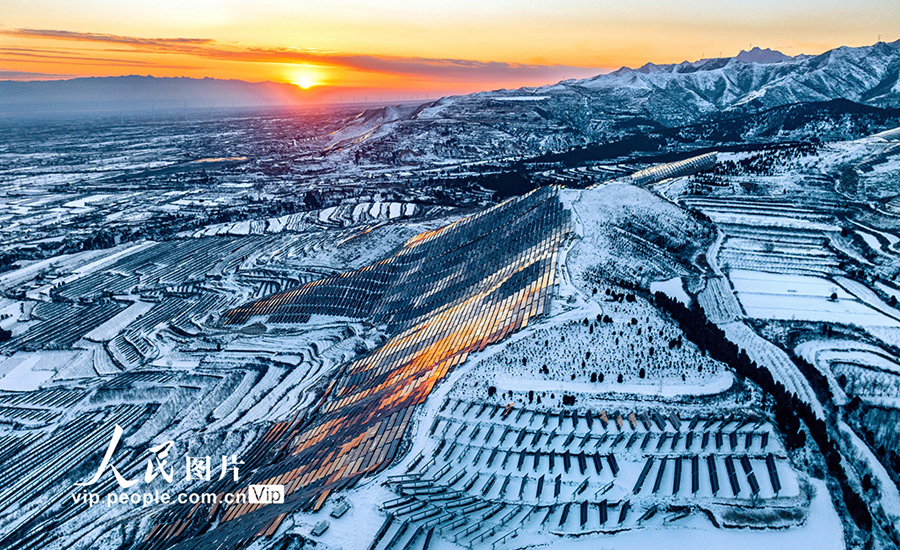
x: 802, y: 298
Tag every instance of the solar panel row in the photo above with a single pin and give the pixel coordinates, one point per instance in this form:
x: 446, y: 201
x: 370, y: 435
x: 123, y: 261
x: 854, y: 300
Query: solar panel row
x: 447, y: 293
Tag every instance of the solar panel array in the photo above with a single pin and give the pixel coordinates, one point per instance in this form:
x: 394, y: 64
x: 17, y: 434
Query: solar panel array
x: 63, y: 325
x: 674, y: 169
x: 447, y: 293
x: 157, y: 265
x: 433, y: 270
x: 489, y: 471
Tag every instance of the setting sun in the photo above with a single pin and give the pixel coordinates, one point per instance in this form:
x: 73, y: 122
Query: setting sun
x: 304, y: 82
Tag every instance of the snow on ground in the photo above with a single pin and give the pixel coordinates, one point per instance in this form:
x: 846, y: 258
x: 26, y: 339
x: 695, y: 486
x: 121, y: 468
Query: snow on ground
x: 79, y: 269
x: 110, y: 329
x: 803, y: 298
x: 565, y: 355
x: 869, y: 235
x: 809, y: 351
x: 10, y: 312
x: 848, y: 351
x: 344, y: 215
x: 776, y: 283
x: 888, y: 335
x: 673, y: 288
x: 15, y: 277
x: 299, y: 360
x: 589, y: 332
x: 889, y: 497
x: 717, y: 384
x: 718, y: 301
x: 612, y: 336
x: 47, y: 364
x: 24, y: 376
x: 80, y: 203
x: 867, y: 296
x: 269, y: 380
x: 330, y: 250
x: 619, y: 226
x: 870, y: 372
x: 767, y: 354
x: 628, y: 339
x: 890, y: 291
x: 870, y: 240
x: 844, y: 247
x: 521, y: 98
x: 101, y: 363
x: 781, y: 222
x: 357, y: 528
x: 822, y: 531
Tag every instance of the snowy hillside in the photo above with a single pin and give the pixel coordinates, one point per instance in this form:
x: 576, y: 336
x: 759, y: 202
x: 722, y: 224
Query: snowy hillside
x: 844, y: 93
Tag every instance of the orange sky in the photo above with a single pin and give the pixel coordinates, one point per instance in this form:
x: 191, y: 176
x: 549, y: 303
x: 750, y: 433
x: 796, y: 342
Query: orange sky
x: 411, y: 49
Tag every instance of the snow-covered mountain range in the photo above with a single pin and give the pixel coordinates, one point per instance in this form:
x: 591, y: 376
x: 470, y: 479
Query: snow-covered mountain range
x: 840, y: 94
x: 756, y: 79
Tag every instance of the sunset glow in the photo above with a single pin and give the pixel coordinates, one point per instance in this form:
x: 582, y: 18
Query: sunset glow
x: 412, y: 49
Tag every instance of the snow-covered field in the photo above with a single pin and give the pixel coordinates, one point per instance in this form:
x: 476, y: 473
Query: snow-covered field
x: 802, y: 298
x: 822, y: 531
x: 24, y: 376
x: 718, y: 301
x: 345, y: 215
x: 866, y: 371
x: 628, y: 233
x: 673, y: 288
x: 28, y: 370
x: 110, y: 329
x: 651, y: 356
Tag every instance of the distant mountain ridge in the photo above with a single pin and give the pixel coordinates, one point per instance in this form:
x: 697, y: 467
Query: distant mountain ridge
x: 759, y: 55
x: 142, y: 93
x: 670, y: 94
x: 755, y: 55
x: 755, y: 79
x: 758, y: 95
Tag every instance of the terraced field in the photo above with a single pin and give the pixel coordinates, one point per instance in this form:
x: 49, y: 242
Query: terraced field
x: 504, y: 378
